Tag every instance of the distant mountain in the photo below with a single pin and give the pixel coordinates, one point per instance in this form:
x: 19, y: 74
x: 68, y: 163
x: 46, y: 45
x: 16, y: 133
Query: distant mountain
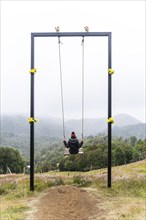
x: 52, y: 127
x: 15, y: 129
x: 99, y: 125
x: 14, y: 124
x: 137, y: 130
x: 124, y: 120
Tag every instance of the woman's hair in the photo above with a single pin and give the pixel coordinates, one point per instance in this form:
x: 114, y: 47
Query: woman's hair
x: 73, y: 134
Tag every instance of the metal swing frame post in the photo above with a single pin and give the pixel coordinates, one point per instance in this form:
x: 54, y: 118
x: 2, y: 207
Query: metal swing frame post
x: 33, y: 70
x: 109, y: 109
x: 32, y: 116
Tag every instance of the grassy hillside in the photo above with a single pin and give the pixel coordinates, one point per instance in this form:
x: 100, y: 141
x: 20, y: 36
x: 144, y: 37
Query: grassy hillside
x: 125, y: 200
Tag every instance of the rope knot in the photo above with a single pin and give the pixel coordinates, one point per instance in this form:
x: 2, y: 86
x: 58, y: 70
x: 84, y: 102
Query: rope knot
x: 59, y: 41
x: 82, y: 43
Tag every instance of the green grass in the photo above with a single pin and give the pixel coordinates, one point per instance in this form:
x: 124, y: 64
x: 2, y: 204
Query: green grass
x: 11, y: 190
x: 21, y: 189
x: 14, y: 212
x: 125, y: 183
x: 121, y: 188
x: 143, y: 171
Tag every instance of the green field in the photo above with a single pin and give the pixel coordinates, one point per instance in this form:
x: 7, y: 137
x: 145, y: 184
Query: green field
x: 124, y: 200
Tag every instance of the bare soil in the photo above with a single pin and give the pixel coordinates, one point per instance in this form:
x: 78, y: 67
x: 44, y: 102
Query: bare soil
x: 65, y: 203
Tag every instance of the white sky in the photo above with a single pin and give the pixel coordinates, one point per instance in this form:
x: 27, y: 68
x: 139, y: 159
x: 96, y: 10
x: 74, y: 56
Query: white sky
x: 126, y: 21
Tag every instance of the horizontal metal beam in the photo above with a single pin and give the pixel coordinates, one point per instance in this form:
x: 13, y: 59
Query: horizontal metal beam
x: 70, y: 34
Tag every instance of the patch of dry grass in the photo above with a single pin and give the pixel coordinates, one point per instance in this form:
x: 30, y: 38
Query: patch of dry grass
x: 124, y: 201
x: 118, y: 208
x: 13, y: 209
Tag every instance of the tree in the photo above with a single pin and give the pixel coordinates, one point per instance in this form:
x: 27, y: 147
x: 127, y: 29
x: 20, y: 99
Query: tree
x: 140, y: 148
x: 119, y: 155
x: 128, y: 153
x: 132, y: 141
x: 10, y: 158
x: 135, y: 155
x: 62, y: 165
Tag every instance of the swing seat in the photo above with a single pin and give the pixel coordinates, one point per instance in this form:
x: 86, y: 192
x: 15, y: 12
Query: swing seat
x: 81, y: 151
x: 66, y: 151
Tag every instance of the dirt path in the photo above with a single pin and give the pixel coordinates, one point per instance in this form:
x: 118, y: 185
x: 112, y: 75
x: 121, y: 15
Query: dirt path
x: 65, y: 203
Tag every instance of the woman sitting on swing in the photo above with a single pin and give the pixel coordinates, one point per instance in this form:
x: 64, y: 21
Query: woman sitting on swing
x: 73, y: 144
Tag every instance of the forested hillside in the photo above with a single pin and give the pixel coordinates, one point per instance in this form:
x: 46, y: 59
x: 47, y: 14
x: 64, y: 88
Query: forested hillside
x: 95, y: 149
x: 128, y: 141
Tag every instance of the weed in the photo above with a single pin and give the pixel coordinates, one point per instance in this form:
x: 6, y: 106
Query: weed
x: 40, y: 185
x: 59, y: 181
x: 2, y: 191
x: 50, y: 183
x: 7, y: 187
x: 81, y: 181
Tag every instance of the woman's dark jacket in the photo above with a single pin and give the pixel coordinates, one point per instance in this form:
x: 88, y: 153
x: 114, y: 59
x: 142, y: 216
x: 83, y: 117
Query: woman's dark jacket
x: 73, y: 145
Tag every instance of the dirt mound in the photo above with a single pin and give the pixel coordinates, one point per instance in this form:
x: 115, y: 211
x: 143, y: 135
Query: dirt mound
x: 66, y: 203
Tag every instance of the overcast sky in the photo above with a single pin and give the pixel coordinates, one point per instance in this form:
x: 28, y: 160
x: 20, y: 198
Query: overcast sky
x: 126, y: 21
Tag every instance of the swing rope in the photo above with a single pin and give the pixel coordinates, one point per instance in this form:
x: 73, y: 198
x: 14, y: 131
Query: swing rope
x: 82, y: 87
x: 61, y: 87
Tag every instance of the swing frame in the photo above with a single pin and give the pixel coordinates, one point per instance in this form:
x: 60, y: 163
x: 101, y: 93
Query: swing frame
x: 32, y: 119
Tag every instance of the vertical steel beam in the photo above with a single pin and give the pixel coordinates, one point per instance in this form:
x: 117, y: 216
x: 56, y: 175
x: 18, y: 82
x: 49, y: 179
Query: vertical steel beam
x: 32, y: 116
x: 109, y: 108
